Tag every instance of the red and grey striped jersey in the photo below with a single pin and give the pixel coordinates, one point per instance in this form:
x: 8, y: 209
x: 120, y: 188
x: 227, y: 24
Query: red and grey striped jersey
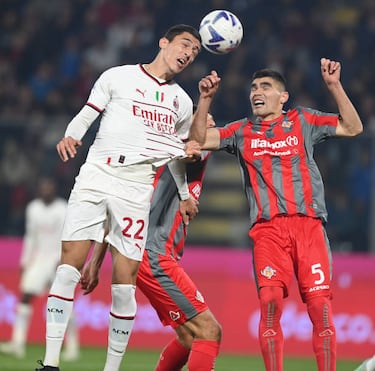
x: 279, y: 173
x: 166, y: 230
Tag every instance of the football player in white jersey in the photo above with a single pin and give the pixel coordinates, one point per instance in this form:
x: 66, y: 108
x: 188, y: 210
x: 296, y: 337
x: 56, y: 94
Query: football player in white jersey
x: 146, y: 117
x: 44, y: 219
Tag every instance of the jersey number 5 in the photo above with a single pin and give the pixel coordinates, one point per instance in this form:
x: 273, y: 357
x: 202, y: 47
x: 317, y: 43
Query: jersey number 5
x: 316, y: 269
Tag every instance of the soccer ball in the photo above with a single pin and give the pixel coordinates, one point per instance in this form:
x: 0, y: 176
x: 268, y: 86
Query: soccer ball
x: 221, y: 31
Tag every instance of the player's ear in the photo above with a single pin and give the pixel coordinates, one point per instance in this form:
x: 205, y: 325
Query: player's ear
x: 163, y: 42
x: 284, y: 97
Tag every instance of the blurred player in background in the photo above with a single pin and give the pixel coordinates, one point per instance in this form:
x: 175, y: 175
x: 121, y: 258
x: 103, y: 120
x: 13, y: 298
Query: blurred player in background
x: 367, y: 365
x: 40, y: 256
x: 145, y: 119
x: 287, y: 207
x: 164, y: 282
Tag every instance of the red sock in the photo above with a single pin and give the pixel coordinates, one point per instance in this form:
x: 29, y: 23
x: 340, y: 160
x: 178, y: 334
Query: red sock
x: 324, y: 332
x: 203, y: 355
x: 173, y: 357
x: 271, y: 338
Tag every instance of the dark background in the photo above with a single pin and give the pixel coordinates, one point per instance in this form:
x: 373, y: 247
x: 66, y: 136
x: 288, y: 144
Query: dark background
x: 52, y: 51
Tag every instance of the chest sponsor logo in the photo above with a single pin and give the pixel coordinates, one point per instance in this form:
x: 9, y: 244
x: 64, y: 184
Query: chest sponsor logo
x: 158, y: 119
x: 281, y: 147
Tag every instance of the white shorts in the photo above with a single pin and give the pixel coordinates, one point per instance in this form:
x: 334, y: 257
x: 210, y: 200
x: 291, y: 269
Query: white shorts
x: 98, y: 196
x: 37, y: 278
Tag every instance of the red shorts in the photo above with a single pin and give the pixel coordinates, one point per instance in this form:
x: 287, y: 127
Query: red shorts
x: 292, y: 245
x: 169, y: 289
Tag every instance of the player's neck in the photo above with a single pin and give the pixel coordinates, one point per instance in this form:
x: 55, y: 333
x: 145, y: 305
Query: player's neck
x: 156, y: 71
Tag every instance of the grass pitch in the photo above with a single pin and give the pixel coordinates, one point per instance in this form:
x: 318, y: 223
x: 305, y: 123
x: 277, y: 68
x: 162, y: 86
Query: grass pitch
x: 92, y: 359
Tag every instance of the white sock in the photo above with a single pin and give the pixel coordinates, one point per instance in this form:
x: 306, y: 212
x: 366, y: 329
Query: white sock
x: 121, y: 321
x: 72, y: 336
x: 21, y: 324
x: 371, y: 364
x: 59, y: 309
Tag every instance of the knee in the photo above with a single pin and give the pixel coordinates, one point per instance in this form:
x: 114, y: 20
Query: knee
x: 271, y: 300
x: 123, y: 300
x: 67, y: 274
x: 208, y: 327
x: 319, y: 309
x: 271, y: 294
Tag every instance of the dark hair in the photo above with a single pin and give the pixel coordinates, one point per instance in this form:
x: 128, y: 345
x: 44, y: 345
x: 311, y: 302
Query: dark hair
x: 267, y: 72
x: 178, y: 29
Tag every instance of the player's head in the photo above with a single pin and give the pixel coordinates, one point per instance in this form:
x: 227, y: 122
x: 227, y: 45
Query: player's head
x: 268, y: 93
x: 47, y: 189
x: 179, y: 29
x: 179, y: 46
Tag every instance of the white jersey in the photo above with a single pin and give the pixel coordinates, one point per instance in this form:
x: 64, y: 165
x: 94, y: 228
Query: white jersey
x: 42, y: 240
x: 144, y: 120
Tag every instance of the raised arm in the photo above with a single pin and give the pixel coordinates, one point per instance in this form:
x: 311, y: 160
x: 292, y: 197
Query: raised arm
x: 208, y: 86
x: 350, y: 123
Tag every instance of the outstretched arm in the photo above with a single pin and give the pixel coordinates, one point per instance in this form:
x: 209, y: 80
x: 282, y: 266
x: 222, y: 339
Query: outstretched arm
x: 350, y: 123
x: 208, y: 86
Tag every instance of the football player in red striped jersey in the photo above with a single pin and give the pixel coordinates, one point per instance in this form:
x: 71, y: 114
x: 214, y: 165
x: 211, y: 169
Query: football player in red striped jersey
x: 285, y: 192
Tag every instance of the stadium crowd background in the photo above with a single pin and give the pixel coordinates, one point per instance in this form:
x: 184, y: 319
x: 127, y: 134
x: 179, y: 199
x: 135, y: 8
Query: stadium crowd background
x: 52, y: 51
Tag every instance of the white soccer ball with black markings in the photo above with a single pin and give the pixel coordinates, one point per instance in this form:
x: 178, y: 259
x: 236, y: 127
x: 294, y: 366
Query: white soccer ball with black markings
x: 221, y: 32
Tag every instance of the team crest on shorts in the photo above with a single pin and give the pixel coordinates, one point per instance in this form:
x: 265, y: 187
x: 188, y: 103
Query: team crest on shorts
x: 268, y: 272
x: 174, y: 315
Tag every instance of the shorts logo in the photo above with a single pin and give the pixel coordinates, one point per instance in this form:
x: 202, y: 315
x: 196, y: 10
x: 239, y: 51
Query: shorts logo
x: 268, y: 272
x: 318, y: 288
x: 327, y: 332
x: 269, y: 333
x: 174, y: 315
x: 138, y: 247
x: 199, y: 296
x: 121, y: 159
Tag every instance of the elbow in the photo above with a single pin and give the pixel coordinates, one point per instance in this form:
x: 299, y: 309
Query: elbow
x: 357, y: 130
x: 351, y: 130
